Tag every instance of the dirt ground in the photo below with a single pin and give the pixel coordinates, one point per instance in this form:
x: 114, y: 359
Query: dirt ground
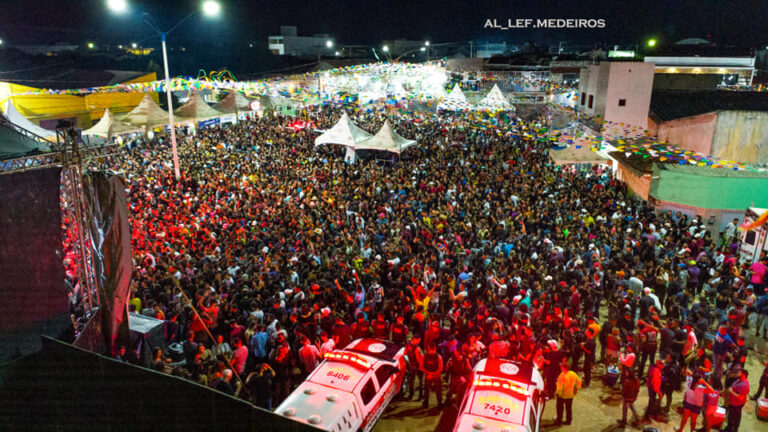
x: 595, y: 409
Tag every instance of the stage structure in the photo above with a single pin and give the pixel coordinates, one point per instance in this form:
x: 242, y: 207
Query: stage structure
x: 38, y: 157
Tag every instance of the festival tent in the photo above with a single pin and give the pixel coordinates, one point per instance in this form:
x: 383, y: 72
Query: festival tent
x: 109, y: 126
x: 147, y: 114
x: 345, y: 132
x: 435, y: 91
x: 386, y: 139
x: 577, y: 154
x: 196, y: 109
x: 14, y: 116
x: 495, y: 100
x: 233, y: 102
x: 455, y: 100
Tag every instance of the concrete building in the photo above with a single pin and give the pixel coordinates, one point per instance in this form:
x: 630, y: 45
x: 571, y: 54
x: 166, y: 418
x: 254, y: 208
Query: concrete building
x: 705, y: 63
x: 288, y: 42
x: 618, y: 92
x: 729, y: 125
x: 488, y: 49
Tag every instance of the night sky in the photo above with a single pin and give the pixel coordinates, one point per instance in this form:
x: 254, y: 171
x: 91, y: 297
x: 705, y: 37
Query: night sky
x: 742, y: 23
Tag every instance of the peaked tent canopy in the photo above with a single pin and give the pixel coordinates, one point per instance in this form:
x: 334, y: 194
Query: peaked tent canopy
x: 386, y: 139
x: 233, y: 102
x: 345, y: 132
x: 18, y: 119
x: 197, y: 109
x: 109, y: 126
x: 147, y: 114
x: 435, y: 91
x: 495, y: 100
x: 455, y: 100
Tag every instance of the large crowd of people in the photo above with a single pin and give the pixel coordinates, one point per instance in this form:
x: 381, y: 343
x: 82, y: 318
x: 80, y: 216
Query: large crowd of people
x: 270, y: 252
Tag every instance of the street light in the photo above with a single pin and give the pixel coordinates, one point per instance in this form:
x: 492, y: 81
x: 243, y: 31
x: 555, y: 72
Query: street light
x: 329, y: 44
x: 118, y: 6
x: 423, y: 49
x: 134, y: 45
x: 90, y: 45
x: 426, y: 44
x: 1, y: 41
x: 651, y: 43
x: 210, y: 8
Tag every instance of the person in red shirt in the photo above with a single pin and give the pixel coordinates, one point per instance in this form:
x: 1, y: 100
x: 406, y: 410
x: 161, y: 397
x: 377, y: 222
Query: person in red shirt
x: 432, y: 367
x: 380, y: 327
x: 362, y: 327
x: 739, y: 392
x: 654, y: 390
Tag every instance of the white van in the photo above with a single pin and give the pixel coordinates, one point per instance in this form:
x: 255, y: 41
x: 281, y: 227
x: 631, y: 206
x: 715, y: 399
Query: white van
x: 350, y: 389
x: 503, y: 396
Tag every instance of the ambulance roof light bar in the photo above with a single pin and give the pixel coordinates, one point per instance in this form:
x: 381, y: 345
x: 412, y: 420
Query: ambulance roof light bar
x: 501, y: 384
x: 345, y: 356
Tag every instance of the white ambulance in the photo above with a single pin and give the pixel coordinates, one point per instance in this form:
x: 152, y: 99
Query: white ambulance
x: 503, y: 396
x: 755, y: 241
x: 350, y: 389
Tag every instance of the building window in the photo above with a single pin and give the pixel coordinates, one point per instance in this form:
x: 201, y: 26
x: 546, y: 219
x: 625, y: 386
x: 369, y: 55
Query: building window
x: 591, y: 99
x: 583, y: 99
x: 622, y: 102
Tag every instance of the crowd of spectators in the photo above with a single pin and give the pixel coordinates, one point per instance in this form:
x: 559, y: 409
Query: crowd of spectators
x: 472, y: 244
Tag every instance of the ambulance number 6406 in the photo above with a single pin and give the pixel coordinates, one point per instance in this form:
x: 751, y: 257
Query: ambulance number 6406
x: 338, y: 375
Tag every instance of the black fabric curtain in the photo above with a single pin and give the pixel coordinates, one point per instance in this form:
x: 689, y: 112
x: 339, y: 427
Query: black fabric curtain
x: 111, y: 234
x: 33, y: 298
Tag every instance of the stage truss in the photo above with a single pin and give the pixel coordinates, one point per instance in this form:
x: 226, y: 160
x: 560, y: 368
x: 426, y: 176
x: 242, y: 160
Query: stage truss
x: 70, y: 153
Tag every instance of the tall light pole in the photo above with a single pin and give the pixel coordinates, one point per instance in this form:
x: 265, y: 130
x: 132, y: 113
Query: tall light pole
x: 210, y: 8
x: 426, y: 44
x: 328, y: 45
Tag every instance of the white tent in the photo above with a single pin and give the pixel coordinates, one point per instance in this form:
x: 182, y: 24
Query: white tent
x: 18, y: 119
x: 386, y: 139
x: 345, y: 132
x: 147, y: 114
x: 495, y: 100
x: 433, y: 92
x: 109, y: 126
x: 197, y: 109
x: 455, y: 100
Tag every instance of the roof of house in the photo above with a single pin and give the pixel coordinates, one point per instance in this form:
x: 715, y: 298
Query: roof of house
x: 669, y: 105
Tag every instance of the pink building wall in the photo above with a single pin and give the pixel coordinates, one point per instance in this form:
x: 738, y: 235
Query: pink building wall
x: 632, y: 82
x: 690, y: 133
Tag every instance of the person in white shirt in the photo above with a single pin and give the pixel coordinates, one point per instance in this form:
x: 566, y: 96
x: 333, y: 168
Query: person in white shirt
x: 327, y: 345
x: 729, y: 232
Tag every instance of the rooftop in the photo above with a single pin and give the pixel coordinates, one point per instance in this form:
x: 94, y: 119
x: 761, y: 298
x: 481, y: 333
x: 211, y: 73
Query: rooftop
x: 669, y: 105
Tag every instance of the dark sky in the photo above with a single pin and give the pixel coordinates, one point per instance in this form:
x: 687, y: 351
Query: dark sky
x: 743, y: 23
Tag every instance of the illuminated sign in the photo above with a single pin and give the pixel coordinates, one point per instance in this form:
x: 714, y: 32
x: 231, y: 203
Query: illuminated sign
x: 621, y: 53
